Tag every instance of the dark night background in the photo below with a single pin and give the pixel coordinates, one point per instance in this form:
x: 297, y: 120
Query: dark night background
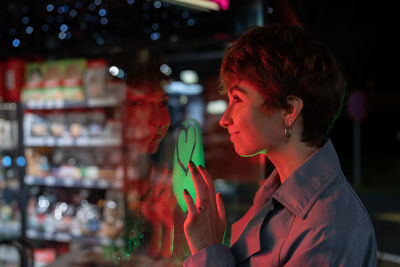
x: 362, y: 35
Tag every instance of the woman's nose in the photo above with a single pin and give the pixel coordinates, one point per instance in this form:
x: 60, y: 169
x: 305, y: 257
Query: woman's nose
x: 226, y: 119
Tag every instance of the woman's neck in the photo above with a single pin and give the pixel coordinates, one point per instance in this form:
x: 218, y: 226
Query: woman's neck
x: 290, y: 157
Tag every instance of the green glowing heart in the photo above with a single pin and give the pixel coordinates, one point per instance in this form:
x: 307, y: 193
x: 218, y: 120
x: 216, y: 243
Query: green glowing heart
x: 188, y: 147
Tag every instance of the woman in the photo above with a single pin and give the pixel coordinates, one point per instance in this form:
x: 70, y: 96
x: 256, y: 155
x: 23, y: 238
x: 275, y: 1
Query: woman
x: 285, y: 91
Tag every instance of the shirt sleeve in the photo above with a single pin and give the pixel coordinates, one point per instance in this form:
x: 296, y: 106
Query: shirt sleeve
x: 217, y: 255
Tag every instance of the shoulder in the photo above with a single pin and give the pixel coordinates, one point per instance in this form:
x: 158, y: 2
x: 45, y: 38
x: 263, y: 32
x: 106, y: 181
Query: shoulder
x: 337, y: 230
x: 339, y: 203
x: 338, y: 213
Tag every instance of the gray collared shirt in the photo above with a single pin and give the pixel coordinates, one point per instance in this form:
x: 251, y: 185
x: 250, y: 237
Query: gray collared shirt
x: 313, y: 219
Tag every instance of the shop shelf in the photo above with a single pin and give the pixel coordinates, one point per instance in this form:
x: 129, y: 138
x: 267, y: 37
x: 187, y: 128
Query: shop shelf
x: 65, y: 237
x: 71, y: 182
x: 10, y: 185
x: 9, y: 229
x: 89, y: 103
x: 8, y: 106
x: 8, y: 146
x: 48, y: 141
x: 44, y: 105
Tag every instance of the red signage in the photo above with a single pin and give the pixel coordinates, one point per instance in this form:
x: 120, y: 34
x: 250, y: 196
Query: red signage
x: 224, y: 4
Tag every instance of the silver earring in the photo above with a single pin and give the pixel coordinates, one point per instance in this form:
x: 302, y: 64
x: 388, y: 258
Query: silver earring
x: 288, y: 131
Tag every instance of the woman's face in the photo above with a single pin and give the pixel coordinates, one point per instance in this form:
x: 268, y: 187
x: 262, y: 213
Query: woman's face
x: 251, y: 127
x: 148, y: 120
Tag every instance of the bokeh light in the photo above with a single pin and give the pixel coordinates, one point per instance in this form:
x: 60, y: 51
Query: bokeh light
x: 64, y: 27
x: 21, y: 161
x: 92, y: 7
x: 113, y: 70
x: 190, y: 22
x: 16, y: 42
x: 25, y: 20
x: 102, y: 12
x: 62, y: 35
x: 73, y: 13
x: 29, y: 30
x: 12, y: 31
x: 104, y: 21
x: 155, y: 26
x: 50, y: 7
x: 155, y: 36
x: 165, y: 69
x: 157, y: 4
x: 185, y: 14
x: 7, y: 161
x: 100, y: 40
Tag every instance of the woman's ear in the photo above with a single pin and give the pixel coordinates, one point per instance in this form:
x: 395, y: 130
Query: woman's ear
x: 295, y: 105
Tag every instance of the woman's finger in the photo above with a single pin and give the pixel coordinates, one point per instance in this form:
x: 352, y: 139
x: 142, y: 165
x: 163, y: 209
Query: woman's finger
x: 221, y: 209
x: 207, y: 180
x: 211, y: 193
x: 201, y: 188
x: 192, y: 210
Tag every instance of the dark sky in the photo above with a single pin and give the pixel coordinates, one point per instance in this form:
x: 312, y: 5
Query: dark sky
x: 361, y: 33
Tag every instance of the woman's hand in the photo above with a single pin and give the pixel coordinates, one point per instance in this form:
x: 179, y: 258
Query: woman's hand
x: 206, y: 222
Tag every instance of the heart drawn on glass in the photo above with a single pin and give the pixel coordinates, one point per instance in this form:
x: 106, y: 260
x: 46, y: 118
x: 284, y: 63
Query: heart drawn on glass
x: 188, y: 147
x: 183, y: 156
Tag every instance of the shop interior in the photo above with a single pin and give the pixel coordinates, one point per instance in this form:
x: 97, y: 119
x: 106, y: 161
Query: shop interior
x: 95, y: 97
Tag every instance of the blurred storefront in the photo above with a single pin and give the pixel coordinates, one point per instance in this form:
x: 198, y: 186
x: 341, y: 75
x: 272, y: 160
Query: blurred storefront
x: 93, y: 96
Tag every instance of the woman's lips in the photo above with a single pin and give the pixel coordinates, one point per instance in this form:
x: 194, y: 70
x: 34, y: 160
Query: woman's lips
x: 234, y: 133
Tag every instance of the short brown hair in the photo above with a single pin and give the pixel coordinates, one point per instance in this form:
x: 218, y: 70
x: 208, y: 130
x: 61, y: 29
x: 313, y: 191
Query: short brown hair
x: 286, y: 60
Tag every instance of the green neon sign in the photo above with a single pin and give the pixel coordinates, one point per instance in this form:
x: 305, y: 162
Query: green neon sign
x: 188, y: 147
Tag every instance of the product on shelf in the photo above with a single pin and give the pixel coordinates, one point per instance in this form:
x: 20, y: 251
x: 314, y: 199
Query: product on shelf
x: 14, y: 79
x: 73, y: 79
x: 86, y: 165
x: 9, y: 214
x: 96, y: 122
x: 8, y: 133
x: 57, y: 121
x: 89, y: 217
x: 44, y: 256
x: 9, y: 256
x: 35, y: 163
x: 67, y: 216
x: 95, y: 78
x: 54, y: 81
x: 8, y: 172
x: 77, y: 124
x: 113, y: 214
x: 38, y: 124
x: 2, y: 83
x: 74, y: 158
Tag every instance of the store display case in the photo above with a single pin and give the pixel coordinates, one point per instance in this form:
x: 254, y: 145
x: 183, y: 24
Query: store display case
x: 12, y: 208
x: 12, y: 163
x: 72, y: 121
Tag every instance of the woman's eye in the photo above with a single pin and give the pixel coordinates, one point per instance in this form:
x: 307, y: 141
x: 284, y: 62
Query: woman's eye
x: 236, y: 99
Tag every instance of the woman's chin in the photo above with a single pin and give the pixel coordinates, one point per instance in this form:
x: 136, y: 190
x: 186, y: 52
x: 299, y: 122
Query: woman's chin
x: 249, y: 153
x: 152, y: 147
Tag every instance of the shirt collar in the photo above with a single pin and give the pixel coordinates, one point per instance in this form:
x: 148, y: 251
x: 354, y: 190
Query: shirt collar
x: 303, y: 187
